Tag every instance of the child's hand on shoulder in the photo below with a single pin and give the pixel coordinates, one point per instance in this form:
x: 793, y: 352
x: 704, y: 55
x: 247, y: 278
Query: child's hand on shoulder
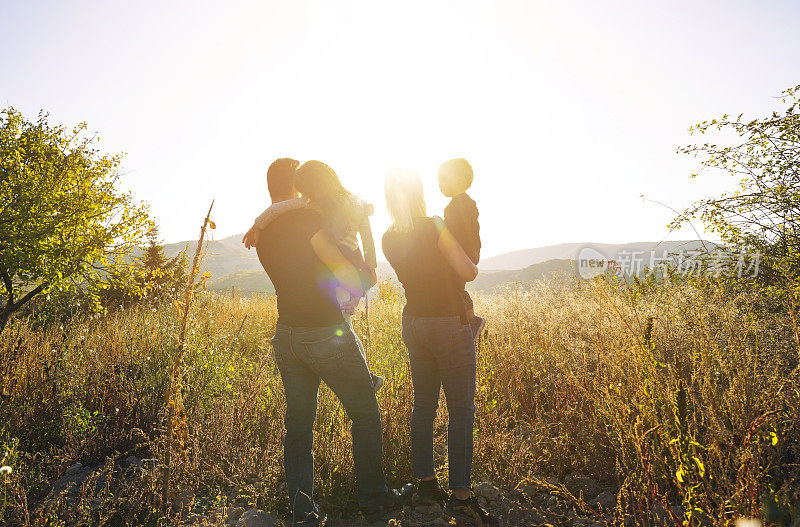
x: 250, y: 239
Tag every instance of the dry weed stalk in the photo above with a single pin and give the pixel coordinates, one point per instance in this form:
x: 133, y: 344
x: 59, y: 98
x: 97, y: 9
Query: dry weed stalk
x: 176, y: 415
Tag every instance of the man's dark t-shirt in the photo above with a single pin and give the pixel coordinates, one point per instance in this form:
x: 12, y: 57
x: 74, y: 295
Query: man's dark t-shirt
x: 305, y: 287
x: 427, y: 278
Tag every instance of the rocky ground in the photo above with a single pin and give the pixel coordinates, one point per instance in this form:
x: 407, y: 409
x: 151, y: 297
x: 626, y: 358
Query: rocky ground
x: 575, y: 501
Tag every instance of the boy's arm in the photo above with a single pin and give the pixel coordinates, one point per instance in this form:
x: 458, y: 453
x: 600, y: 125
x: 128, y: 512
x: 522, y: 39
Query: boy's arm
x: 276, y: 209
x: 365, y: 231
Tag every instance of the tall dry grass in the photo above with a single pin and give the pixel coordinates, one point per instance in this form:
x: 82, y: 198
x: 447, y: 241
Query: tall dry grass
x: 675, y: 393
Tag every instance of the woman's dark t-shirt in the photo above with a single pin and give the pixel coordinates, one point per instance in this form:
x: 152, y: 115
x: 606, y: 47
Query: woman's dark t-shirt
x: 304, y: 286
x: 426, y: 276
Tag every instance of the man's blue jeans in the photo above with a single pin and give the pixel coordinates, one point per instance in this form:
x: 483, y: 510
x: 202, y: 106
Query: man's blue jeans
x: 442, y: 354
x: 332, y: 354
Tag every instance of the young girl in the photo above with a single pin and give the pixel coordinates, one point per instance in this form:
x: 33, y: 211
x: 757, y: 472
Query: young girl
x: 344, y: 216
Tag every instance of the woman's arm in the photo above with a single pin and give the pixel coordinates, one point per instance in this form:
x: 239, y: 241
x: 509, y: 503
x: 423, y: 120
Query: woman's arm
x: 344, y: 272
x: 365, y: 231
x: 455, y: 255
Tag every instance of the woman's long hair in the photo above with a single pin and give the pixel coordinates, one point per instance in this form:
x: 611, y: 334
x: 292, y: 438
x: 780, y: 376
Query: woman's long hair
x: 326, y: 194
x: 405, y: 199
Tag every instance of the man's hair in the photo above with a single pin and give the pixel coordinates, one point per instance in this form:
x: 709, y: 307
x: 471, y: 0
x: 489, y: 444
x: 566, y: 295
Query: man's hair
x: 457, y: 172
x: 280, y: 176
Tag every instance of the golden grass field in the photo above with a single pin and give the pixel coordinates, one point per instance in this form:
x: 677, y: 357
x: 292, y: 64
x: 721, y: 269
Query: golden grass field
x: 673, y: 393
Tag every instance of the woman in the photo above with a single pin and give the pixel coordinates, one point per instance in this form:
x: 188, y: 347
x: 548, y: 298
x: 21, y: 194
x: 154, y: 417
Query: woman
x: 429, y: 262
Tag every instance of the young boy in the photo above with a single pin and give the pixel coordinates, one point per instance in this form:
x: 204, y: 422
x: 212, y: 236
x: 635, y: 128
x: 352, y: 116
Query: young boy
x: 461, y: 217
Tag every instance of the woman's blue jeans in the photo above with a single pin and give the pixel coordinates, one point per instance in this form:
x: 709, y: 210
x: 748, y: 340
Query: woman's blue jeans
x: 441, y: 351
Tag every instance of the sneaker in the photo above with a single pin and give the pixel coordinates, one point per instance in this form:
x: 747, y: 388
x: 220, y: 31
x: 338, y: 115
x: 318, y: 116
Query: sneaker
x: 393, y: 500
x: 429, y: 492
x: 317, y: 518
x: 470, y: 509
x: 477, y: 325
x: 377, y: 382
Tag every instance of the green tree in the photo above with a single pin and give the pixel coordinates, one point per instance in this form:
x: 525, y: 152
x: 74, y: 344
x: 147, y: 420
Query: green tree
x: 63, y: 221
x: 762, y: 215
x: 163, y: 277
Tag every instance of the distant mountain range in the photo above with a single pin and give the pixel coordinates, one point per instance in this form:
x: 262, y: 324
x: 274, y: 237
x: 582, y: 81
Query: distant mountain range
x: 231, y: 265
x: 569, y: 251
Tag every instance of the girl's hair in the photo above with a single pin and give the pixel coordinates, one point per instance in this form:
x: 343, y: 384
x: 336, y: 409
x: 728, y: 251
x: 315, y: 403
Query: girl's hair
x: 405, y: 199
x: 326, y: 194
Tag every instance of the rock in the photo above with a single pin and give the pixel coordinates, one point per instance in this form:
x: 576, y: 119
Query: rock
x: 232, y: 515
x: 72, y: 480
x: 488, y: 491
x: 433, y: 508
x: 605, y: 500
x: 255, y: 518
x: 132, y: 461
x: 582, y: 485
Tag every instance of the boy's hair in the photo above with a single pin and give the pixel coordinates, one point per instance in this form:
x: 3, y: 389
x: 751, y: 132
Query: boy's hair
x: 280, y: 177
x: 457, y: 172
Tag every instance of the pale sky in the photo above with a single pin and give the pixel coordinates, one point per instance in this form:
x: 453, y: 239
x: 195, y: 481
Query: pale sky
x: 568, y: 111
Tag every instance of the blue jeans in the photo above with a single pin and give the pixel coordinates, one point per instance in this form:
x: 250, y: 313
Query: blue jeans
x: 332, y: 354
x: 442, y: 354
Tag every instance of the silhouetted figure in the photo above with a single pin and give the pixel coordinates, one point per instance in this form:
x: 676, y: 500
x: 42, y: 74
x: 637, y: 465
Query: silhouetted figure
x: 461, y: 217
x: 314, y: 341
x: 432, y: 268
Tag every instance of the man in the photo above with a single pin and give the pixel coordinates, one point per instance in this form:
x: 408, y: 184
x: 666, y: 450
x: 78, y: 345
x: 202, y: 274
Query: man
x: 314, y: 341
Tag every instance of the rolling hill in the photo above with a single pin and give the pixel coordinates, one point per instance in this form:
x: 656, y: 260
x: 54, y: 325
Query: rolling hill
x: 231, y: 265
x: 521, y: 259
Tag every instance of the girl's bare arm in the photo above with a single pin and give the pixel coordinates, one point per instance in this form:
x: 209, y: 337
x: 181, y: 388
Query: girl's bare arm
x: 276, y: 209
x: 368, y: 243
